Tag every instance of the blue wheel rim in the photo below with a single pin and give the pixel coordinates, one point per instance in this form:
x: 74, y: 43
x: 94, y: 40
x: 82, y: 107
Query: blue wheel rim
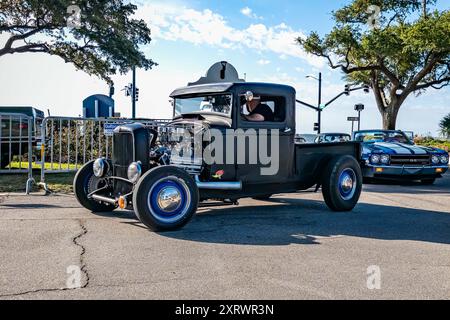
x: 347, y: 184
x: 154, y: 199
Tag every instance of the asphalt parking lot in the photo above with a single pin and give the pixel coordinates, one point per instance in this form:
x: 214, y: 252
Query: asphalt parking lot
x: 291, y: 247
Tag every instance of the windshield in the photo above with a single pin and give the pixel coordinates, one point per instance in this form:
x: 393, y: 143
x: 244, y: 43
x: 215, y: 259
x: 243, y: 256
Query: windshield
x: 218, y: 103
x: 382, y: 136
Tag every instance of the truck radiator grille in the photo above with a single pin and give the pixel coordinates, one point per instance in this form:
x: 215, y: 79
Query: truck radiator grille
x: 123, y: 149
x: 122, y: 156
x: 410, y: 160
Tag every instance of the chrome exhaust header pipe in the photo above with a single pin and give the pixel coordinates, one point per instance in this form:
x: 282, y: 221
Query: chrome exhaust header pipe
x: 104, y: 199
x: 218, y: 185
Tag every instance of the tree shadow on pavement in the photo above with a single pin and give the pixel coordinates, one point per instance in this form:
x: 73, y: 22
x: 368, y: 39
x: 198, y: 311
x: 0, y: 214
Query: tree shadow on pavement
x: 31, y: 206
x: 301, y: 221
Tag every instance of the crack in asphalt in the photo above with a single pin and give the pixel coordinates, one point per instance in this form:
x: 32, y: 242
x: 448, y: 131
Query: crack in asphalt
x: 83, y: 268
x: 83, y: 264
x: 33, y: 291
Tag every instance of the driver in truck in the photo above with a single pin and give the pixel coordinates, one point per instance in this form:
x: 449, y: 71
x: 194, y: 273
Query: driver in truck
x: 258, y: 111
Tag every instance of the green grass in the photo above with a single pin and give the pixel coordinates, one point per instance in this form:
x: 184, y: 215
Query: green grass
x: 57, y: 182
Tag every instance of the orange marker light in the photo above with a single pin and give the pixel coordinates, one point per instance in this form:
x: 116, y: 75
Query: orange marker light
x: 122, y: 202
x: 439, y: 170
x: 378, y: 169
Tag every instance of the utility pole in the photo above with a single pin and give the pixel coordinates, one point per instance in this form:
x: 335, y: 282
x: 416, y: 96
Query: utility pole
x: 424, y: 8
x: 318, y: 108
x: 319, y: 112
x: 321, y: 107
x: 133, y: 95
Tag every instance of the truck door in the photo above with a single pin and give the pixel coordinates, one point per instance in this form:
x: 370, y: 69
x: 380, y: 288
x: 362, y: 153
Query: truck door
x: 263, y: 133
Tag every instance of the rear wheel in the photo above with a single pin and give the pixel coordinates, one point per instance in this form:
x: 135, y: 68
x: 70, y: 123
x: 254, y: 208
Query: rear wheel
x: 86, y: 182
x: 165, y: 198
x: 342, y: 183
x: 428, y: 181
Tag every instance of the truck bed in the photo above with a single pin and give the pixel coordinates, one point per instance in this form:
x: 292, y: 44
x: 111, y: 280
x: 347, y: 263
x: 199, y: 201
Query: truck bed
x: 311, y: 158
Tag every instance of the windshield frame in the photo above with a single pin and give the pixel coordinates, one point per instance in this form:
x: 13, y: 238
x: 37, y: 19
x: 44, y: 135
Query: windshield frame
x: 384, y: 132
x: 200, y: 112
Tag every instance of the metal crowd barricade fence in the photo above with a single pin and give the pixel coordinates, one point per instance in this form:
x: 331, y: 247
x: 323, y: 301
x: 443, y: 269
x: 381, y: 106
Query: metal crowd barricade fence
x: 16, y: 141
x: 68, y: 143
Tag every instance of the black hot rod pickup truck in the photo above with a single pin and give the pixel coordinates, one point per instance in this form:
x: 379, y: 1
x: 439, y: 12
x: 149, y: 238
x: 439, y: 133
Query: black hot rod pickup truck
x: 212, y: 150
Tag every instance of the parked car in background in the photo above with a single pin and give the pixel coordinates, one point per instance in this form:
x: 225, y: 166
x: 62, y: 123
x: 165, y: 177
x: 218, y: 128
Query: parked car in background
x: 332, y: 137
x: 305, y: 137
x: 14, y: 131
x: 409, y: 134
x: 299, y: 139
x: 390, y: 154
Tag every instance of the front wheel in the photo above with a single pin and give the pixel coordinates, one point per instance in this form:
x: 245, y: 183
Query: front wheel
x: 165, y: 198
x: 342, y: 183
x: 86, y: 182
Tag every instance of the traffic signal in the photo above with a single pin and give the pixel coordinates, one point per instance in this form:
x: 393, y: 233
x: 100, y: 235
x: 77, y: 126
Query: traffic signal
x: 128, y: 90
x: 316, y: 126
x: 347, y: 89
x: 136, y: 97
x: 366, y: 88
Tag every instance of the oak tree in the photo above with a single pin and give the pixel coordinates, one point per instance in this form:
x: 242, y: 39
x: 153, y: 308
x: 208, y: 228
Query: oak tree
x: 99, y: 37
x: 397, y: 47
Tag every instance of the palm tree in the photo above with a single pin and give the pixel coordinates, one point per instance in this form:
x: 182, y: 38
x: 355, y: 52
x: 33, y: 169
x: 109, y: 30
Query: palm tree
x: 445, y: 126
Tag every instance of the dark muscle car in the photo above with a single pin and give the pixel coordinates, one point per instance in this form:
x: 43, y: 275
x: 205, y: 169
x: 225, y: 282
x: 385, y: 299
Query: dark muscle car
x: 390, y: 154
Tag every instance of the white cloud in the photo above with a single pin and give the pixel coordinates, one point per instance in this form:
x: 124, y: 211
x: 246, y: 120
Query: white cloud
x: 201, y: 27
x: 246, y: 11
x: 249, y: 13
x: 263, y: 62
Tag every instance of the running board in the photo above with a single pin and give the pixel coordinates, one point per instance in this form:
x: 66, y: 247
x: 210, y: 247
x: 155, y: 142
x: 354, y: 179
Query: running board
x: 218, y: 185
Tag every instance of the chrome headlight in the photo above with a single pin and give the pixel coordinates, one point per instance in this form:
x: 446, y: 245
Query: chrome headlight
x: 375, y: 158
x: 384, y: 158
x: 435, y: 159
x: 100, y: 167
x: 134, y: 171
x: 444, y: 159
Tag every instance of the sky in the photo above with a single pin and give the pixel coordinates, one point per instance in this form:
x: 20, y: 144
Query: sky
x: 256, y: 36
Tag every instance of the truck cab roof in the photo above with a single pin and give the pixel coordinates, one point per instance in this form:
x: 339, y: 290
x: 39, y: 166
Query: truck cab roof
x: 221, y: 87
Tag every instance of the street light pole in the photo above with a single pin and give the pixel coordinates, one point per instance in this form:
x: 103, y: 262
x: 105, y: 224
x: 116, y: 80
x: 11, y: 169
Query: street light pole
x: 321, y: 107
x: 319, y: 110
x: 133, y: 95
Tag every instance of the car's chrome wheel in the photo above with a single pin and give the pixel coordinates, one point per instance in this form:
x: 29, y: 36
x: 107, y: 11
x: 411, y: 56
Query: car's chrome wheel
x: 169, y: 199
x: 347, y: 183
x: 342, y: 183
x: 165, y: 198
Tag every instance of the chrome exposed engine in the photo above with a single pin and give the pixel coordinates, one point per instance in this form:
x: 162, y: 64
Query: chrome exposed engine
x: 181, y: 145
